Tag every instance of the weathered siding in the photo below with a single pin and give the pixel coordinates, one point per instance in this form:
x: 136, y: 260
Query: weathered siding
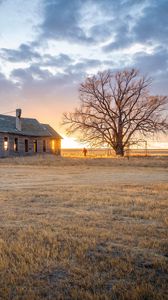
x: 21, y: 145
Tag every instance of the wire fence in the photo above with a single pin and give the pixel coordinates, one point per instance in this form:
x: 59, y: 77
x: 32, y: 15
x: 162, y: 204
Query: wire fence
x: 110, y: 153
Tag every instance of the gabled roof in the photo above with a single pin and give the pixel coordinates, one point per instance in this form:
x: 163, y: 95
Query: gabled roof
x: 30, y: 127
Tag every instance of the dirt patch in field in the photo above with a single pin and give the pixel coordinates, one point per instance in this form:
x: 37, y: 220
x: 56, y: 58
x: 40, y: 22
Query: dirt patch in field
x: 80, y: 172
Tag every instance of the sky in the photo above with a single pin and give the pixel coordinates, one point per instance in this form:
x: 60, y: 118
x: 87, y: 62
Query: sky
x: 48, y: 47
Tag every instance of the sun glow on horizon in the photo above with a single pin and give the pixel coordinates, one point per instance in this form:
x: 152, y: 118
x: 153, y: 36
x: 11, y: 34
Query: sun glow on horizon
x: 70, y: 143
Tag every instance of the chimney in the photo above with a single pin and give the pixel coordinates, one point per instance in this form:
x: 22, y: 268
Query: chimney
x: 18, y: 119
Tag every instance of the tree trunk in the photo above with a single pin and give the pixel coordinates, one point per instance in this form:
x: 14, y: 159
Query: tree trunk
x: 119, y: 150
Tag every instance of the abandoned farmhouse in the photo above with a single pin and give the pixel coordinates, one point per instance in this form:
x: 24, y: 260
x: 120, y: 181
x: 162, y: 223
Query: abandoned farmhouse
x: 26, y: 136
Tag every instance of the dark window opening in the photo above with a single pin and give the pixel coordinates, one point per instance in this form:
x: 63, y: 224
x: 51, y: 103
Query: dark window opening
x: 26, y: 146
x: 35, y: 146
x: 16, y: 144
x: 44, y: 146
x: 6, y: 143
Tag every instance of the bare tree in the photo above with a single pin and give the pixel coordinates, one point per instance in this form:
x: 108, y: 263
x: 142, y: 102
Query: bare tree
x: 114, y: 108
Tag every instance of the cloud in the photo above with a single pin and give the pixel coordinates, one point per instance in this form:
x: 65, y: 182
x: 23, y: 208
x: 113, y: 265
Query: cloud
x: 97, y: 35
x: 30, y: 74
x: 9, y: 93
x: 159, y: 85
x: 24, y: 53
x: 49, y: 96
x: 60, y: 60
x: 44, y: 82
x: 82, y: 66
x: 6, y: 85
x: 71, y: 72
x: 153, y: 25
x: 154, y: 65
x: 62, y: 21
x: 143, y: 22
x: 122, y: 38
x: 78, y: 21
x: 88, y: 22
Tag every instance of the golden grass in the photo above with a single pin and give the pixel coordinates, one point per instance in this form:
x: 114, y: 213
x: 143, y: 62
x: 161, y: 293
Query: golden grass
x: 52, y: 160
x: 70, y: 230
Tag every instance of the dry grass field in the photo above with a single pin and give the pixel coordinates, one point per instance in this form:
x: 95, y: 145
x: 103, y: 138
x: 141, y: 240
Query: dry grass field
x: 73, y: 228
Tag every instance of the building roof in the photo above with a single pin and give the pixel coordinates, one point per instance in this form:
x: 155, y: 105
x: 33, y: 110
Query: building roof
x: 30, y: 127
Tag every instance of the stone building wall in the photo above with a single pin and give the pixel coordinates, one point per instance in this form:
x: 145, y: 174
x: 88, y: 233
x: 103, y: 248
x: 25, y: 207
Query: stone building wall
x: 44, y: 145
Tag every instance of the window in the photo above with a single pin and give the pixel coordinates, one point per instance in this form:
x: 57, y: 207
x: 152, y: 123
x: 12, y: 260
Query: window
x: 26, y: 146
x: 6, y: 143
x: 35, y: 145
x: 53, y: 145
x: 16, y: 144
x: 44, y: 146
